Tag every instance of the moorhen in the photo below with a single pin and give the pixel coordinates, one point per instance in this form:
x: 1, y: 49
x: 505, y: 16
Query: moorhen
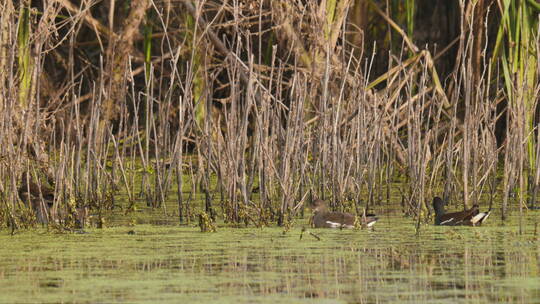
x: 30, y: 193
x: 470, y: 217
x: 323, y: 218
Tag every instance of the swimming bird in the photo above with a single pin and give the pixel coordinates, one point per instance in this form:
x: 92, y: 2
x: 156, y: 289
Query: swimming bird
x: 470, y: 217
x: 323, y: 218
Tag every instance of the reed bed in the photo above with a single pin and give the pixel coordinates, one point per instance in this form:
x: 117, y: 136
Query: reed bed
x: 256, y: 107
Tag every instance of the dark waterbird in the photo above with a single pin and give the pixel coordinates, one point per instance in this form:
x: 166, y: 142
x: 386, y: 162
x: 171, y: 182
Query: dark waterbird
x: 470, y: 217
x: 39, y: 197
x: 323, y: 218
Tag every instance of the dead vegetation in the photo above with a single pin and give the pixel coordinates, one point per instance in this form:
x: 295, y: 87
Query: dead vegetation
x: 257, y: 104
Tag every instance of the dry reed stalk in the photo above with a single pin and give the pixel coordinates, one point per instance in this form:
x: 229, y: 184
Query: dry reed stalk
x: 222, y: 115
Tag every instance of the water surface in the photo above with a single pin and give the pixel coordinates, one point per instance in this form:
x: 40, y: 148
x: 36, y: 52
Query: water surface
x: 171, y: 264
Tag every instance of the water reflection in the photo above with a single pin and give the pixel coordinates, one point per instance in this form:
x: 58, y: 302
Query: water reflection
x: 168, y: 264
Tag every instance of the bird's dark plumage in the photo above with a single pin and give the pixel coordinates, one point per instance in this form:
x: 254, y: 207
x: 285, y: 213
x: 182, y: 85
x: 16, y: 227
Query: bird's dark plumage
x: 470, y: 217
x: 323, y: 218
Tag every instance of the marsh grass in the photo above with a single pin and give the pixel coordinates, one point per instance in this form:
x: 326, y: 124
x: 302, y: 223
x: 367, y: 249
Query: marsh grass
x: 234, y: 115
x: 258, y: 109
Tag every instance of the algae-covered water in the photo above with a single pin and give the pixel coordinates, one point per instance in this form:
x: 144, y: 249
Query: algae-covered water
x: 171, y: 264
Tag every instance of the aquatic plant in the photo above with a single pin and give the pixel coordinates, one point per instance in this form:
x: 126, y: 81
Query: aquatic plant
x: 241, y: 109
